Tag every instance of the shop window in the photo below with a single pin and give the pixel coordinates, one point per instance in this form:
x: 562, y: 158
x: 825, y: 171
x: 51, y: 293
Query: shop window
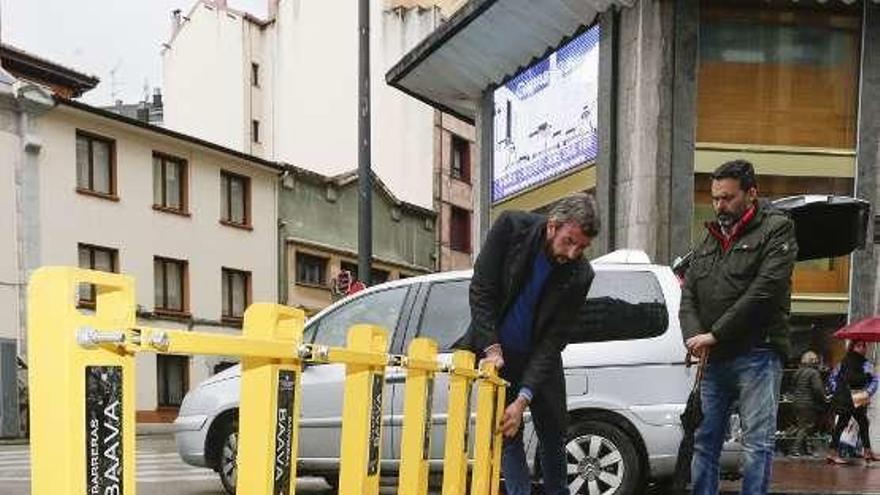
x: 778, y: 76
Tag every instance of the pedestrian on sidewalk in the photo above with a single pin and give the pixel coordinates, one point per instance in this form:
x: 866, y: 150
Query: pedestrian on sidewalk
x: 809, y: 402
x: 853, y: 383
x: 735, y: 305
x: 530, y: 280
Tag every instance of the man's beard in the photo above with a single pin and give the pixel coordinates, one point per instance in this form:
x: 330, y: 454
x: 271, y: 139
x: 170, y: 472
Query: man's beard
x: 727, y: 219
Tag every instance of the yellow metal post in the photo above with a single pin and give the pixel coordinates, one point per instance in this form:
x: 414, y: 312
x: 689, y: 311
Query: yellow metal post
x: 486, y: 428
x: 457, y: 424
x: 270, y: 404
x: 81, y: 379
x: 416, y: 443
x: 362, y: 414
x: 497, y: 439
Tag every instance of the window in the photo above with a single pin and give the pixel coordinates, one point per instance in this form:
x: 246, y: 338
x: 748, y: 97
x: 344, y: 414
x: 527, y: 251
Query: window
x: 236, y: 292
x: 95, y: 258
x: 779, y: 77
x: 460, y: 230
x: 169, y: 183
x: 255, y: 74
x: 170, y: 278
x: 172, y: 379
x: 877, y: 229
x: 447, y: 313
x: 311, y: 270
x: 622, y: 305
x: 461, y: 159
x: 377, y: 275
x: 255, y: 131
x: 235, y: 198
x: 378, y: 308
x: 95, y: 164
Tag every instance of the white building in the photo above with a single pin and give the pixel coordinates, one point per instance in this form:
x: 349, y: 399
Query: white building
x: 286, y: 89
x: 194, y: 223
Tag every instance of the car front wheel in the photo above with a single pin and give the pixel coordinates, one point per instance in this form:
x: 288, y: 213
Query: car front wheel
x: 602, y: 460
x: 228, y: 452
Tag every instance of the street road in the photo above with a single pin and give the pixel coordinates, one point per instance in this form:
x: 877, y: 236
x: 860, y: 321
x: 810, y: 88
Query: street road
x: 159, y: 472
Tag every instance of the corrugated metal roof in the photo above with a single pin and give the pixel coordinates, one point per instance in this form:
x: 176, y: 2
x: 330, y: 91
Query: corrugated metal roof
x: 484, y: 43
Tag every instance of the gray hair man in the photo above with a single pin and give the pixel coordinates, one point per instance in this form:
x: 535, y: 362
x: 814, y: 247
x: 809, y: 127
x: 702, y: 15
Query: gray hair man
x: 530, y: 279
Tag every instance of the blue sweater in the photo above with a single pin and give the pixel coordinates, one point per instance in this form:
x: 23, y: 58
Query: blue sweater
x: 515, y: 333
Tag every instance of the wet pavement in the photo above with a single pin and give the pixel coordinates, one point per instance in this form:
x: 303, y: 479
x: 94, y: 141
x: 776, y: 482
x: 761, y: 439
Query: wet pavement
x: 812, y: 475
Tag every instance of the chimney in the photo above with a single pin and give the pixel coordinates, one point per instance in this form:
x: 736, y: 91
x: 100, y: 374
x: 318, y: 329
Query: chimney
x: 157, y: 98
x: 143, y: 113
x: 273, y: 9
x: 221, y: 4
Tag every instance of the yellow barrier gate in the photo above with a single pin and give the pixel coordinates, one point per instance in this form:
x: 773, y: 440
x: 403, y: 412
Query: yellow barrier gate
x: 82, y: 390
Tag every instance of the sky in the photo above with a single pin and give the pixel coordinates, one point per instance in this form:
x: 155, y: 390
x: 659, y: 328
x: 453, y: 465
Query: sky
x: 119, y: 41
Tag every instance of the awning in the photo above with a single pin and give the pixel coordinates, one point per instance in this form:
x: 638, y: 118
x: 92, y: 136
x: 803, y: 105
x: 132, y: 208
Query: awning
x: 485, y: 42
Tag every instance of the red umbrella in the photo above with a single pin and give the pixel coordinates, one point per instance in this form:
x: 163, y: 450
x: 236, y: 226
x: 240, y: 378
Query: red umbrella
x: 867, y: 330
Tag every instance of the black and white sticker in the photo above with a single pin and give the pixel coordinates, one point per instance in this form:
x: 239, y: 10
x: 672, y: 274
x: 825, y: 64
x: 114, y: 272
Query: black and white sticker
x: 429, y: 403
x: 467, y: 417
x: 104, y: 408
x: 284, y: 431
x: 375, y: 426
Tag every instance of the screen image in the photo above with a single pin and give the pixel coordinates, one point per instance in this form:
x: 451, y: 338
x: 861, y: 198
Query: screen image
x: 546, y: 120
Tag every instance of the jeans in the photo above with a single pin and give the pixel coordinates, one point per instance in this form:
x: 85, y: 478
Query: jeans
x: 751, y: 380
x: 551, y: 438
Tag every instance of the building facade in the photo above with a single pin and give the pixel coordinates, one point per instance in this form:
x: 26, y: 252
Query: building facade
x: 318, y: 226
x: 683, y: 85
x: 194, y: 223
x: 286, y: 88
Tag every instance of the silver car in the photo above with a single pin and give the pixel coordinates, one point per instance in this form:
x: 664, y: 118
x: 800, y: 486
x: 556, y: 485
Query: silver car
x: 626, y: 379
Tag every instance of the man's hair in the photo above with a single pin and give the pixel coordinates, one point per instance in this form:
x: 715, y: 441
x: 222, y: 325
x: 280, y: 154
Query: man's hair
x: 579, y: 209
x: 741, y: 170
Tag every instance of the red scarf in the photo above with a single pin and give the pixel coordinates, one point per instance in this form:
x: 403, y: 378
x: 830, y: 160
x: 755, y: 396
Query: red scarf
x: 735, y: 231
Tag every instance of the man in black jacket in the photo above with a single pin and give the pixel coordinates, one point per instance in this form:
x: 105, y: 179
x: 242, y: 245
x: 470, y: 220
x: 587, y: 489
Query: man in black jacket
x: 529, y: 282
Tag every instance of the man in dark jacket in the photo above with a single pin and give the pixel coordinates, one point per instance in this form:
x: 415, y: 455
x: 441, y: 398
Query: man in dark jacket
x: 735, y: 304
x: 529, y: 282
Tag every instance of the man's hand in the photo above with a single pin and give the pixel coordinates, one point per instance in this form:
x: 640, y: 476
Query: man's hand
x: 700, y: 343
x: 513, y: 416
x: 494, y: 356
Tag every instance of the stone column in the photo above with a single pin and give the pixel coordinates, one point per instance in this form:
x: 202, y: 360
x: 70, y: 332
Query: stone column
x: 863, y: 276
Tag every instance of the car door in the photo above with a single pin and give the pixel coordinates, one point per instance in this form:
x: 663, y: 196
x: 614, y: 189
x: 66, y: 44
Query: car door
x: 442, y: 312
x: 323, y: 385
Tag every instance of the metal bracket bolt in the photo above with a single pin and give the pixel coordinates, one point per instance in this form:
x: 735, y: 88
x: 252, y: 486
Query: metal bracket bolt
x: 89, y: 337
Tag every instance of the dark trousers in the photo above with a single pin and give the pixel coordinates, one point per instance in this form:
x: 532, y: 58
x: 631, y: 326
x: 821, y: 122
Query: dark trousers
x: 807, y: 423
x: 861, y: 416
